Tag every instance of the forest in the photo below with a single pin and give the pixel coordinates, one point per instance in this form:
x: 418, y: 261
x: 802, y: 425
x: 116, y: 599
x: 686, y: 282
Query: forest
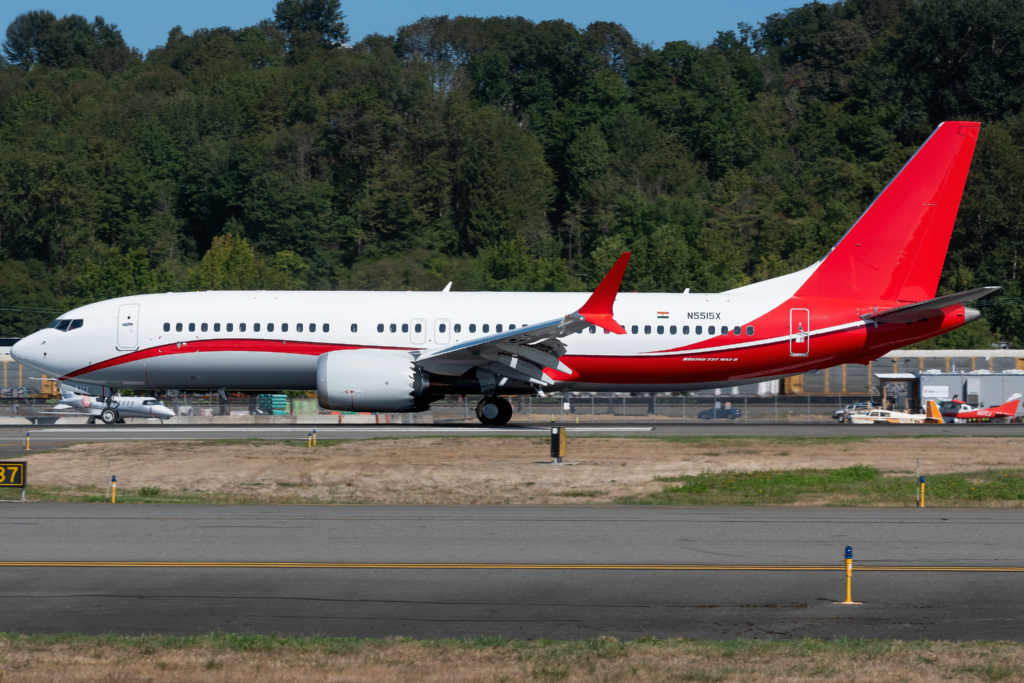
x: 497, y: 153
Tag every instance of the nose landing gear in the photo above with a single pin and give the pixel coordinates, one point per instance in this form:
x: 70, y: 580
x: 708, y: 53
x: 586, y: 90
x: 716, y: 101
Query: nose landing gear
x: 494, y: 411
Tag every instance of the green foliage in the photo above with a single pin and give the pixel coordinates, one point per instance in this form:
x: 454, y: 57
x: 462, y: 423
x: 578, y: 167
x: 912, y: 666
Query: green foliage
x: 28, y: 301
x: 497, y: 152
x: 232, y: 263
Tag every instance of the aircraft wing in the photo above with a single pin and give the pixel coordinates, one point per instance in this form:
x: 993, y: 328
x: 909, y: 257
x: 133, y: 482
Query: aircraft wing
x: 523, y: 354
x: 927, y: 309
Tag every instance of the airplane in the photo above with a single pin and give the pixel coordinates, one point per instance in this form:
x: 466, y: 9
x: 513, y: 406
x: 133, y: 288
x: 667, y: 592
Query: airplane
x: 874, y: 291
x: 960, y: 411
x: 112, y: 409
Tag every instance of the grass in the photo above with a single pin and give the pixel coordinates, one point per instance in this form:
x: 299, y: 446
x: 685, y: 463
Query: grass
x: 856, y: 485
x: 255, y: 658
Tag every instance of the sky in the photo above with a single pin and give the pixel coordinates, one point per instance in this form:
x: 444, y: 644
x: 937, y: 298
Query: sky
x: 145, y: 24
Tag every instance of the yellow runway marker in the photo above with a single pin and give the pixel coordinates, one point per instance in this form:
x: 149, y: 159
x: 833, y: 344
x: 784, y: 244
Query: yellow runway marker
x: 433, y: 565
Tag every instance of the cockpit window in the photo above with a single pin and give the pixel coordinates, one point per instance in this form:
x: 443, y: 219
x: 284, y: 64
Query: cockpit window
x: 55, y: 322
x: 63, y: 325
x: 149, y: 402
x: 75, y: 324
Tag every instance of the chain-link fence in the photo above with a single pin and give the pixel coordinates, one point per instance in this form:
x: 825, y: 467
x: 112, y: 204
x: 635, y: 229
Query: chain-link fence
x: 613, y: 408
x: 576, y: 408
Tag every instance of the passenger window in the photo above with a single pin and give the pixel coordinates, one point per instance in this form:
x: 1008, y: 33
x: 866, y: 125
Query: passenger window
x: 725, y: 330
x: 327, y: 327
x: 635, y: 329
x: 284, y: 327
x: 486, y: 328
x: 750, y: 330
x: 75, y: 324
x: 698, y: 329
x: 711, y: 329
x: 737, y: 330
x: 191, y: 327
x: 204, y: 327
x: 593, y: 329
x: 177, y: 328
x: 647, y: 329
x: 441, y: 328
x: 255, y: 327
x: 661, y: 329
x: 298, y: 327
x: 231, y: 327
x: 472, y: 327
x: 270, y: 327
x: 380, y: 328
x: 457, y: 328
x: 312, y: 327
x: 216, y: 327
x: 167, y: 327
x: 672, y: 330
x: 405, y: 327
x: 418, y: 328
x: 394, y: 327
x: 354, y: 328
x: 511, y: 327
x: 241, y: 327
x: 497, y: 328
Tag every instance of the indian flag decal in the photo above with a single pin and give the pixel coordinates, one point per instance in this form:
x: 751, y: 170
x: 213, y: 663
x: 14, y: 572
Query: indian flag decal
x: 662, y: 314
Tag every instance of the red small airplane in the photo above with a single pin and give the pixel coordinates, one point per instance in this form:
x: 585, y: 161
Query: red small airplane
x: 959, y: 411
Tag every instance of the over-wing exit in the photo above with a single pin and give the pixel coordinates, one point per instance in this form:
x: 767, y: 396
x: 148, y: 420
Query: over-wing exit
x: 399, y: 351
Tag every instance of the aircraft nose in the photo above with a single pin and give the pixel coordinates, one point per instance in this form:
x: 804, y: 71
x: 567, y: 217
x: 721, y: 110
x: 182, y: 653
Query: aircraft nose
x: 14, y: 350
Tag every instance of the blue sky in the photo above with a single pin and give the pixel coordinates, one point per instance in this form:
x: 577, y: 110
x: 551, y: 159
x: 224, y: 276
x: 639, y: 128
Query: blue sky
x: 145, y: 24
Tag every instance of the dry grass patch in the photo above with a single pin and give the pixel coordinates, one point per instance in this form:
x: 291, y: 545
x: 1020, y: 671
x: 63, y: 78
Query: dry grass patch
x: 252, y: 659
x: 471, y: 470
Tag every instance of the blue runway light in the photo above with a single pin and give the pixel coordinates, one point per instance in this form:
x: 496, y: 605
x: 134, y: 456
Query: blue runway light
x: 849, y: 553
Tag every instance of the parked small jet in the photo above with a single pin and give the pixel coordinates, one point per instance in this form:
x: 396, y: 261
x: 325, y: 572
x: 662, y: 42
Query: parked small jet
x: 112, y: 409
x: 959, y: 411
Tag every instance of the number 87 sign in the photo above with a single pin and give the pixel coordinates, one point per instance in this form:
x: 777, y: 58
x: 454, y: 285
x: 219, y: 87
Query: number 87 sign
x: 12, y: 474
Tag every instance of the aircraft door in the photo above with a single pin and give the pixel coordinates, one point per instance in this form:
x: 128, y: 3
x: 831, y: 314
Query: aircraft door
x: 418, y: 331
x: 128, y: 327
x: 442, y: 331
x: 799, y: 330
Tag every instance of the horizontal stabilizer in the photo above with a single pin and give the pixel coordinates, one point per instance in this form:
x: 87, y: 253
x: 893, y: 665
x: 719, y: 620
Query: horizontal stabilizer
x: 929, y: 308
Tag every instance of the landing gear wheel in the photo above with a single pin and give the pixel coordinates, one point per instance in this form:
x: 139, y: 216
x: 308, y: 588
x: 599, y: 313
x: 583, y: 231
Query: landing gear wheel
x: 494, y: 411
x: 109, y: 416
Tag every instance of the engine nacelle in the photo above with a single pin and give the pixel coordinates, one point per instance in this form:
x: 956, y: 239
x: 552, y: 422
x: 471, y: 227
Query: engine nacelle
x: 368, y: 380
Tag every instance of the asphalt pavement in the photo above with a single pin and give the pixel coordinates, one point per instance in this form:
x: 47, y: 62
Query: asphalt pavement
x: 12, y: 438
x: 525, y: 572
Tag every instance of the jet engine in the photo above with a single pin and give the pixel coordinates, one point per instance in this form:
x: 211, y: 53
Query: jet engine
x: 369, y: 380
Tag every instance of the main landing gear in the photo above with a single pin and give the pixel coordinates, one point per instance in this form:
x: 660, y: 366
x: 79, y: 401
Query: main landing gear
x: 110, y: 416
x: 494, y: 410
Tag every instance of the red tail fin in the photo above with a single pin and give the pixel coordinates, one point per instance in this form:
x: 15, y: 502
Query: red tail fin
x: 896, y: 249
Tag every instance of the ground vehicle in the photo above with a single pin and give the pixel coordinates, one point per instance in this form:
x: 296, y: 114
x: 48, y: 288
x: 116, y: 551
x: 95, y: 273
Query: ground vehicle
x: 843, y: 414
x: 720, y: 414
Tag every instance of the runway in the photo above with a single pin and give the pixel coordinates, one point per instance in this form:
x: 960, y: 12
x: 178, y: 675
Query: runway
x: 12, y: 438
x: 525, y: 572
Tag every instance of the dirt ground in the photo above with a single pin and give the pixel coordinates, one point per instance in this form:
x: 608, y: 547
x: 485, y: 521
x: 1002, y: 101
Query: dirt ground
x: 483, y: 470
x: 600, y: 660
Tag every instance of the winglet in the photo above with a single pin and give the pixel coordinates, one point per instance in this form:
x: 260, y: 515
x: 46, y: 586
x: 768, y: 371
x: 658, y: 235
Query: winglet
x: 598, y: 309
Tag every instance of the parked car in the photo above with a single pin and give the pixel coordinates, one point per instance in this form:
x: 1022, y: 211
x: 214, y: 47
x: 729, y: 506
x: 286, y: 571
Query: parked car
x: 843, y: 414
x: 720, y: 414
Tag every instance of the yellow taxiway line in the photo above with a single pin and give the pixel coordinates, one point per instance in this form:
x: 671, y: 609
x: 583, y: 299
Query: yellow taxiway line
x: 458, y: 565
